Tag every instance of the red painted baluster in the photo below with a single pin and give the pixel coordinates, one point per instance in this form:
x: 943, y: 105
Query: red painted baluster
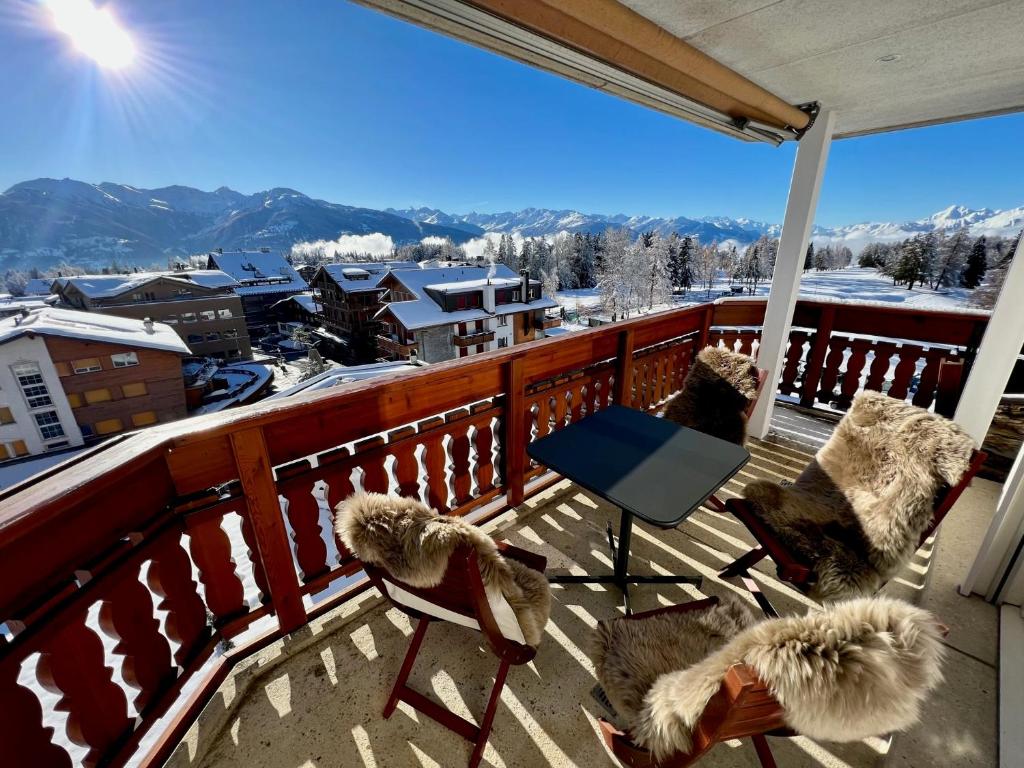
x: 791, y: 366
x: 459, y: 449
x: 483, y: 453
x: 259, y: 573
x: 211, y: 551
x: 905, y: 369
x: 73, y: 666
x: 127, y: 614
x: 371, y: 460
x: 561, y: 408
x: 295, y: 483
x: 543, y: 417
x: 407, y: 468
x: 830, y: 371
x: 854, y: 365
x: 170, y: 577
x: 435, y: 460
x: 577, y: 398
x: 929, y: 378
x: 880, y: 365
x: 24, y: 739
x: 336, y: 472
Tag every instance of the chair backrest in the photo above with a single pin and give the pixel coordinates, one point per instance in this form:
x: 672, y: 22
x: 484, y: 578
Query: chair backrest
x: 460, y: 598
x: 948, y: 495
x: 743, y: 706
x: 762, y: 379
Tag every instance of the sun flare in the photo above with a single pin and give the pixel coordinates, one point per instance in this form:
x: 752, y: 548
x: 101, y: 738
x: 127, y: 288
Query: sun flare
x: 94, y: 32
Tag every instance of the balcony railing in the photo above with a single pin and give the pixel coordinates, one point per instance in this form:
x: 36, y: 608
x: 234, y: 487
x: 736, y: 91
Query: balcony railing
x: 473, y: 338
x: 392, y: 346
x: 550, y: 322
x: 117, y: 534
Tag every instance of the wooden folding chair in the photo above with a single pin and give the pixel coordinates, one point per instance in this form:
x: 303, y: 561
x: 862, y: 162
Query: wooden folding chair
x: 762, y: 377
x: 742, y: 708
x: 461, y: 599
x: 789, y: 566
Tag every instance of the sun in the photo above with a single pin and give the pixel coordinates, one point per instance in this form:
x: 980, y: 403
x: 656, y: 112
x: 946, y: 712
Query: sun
x: 94, y: 32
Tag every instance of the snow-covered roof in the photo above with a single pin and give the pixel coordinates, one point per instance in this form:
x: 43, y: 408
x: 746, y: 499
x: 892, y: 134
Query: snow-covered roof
x: 259, y: 272
x: 304, y: 300
x: 424, y: 312
x: 107, y: 286
x: 38, y: 286
x: 344, y: 375
x: 364, y: 276
x: 472, y: 285
x: 416, y: 280
x: 11, y: 304
x: 92, y: 326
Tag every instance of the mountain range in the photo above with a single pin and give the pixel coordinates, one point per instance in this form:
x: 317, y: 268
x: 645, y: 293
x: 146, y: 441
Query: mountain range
x: 47, y: 221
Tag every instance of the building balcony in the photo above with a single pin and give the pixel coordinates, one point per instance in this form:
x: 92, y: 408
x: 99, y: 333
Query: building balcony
x: 472, y: 339
x: 550, y: 321
x: 391, y: 345
x: 263, y: 618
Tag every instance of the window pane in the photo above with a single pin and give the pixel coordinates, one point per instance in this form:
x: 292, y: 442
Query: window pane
x: 144, y: 418
x: 188, y: 317
x: 194, y: 338
x: 124, y: 359
x: 47, y: 417
x: 88, y: 365
x: 135, y: 389
x: 39, y: 402
x: 108, y: 426
x: 207, y: 314
x: 97, y: 396
x: 224, y: 313
x: 6, y: 417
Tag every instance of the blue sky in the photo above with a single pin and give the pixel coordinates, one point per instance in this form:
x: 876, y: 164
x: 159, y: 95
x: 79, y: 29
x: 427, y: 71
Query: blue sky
x: 355, y: 107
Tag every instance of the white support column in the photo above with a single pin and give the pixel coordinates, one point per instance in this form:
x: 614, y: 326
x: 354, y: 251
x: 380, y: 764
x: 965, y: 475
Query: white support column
x: 997, y: 354
x: 804, y: 189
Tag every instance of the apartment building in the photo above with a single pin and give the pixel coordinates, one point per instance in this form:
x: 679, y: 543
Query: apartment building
x: 262, y: 279
x: 442, y: 314
x: 350, y: 295
x: 200, y: 305
x: 68, y: 376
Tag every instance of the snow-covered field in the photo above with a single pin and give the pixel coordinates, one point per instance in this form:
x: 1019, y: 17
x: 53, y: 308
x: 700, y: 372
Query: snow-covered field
x: 858, y: 284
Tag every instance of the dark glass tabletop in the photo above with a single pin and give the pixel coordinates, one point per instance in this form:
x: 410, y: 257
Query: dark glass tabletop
x: 655, y: 469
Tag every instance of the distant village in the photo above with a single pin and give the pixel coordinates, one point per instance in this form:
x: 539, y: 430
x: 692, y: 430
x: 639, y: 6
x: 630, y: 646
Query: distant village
x: 89, y: 357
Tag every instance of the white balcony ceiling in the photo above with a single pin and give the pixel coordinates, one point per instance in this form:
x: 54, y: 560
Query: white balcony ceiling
x: 957, y: 58
x: 948, y: 59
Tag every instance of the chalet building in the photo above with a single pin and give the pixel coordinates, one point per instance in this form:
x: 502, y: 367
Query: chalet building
x: 351, y: 298
x: 200, y: 305
x: 69, y: 376
x: 300, y: 309
x: 441, y: 314
x: 263, y: 279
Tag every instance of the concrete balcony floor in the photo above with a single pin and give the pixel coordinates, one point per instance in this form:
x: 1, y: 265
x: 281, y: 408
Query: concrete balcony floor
x: 315, y: 698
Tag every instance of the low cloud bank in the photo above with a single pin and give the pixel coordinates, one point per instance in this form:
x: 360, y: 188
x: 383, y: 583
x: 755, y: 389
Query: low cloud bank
x: 374, y: 245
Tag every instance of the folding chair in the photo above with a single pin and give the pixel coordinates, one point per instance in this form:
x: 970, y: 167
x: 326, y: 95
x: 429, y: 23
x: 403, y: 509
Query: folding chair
x: 461, y: 599
x: 800, y: 572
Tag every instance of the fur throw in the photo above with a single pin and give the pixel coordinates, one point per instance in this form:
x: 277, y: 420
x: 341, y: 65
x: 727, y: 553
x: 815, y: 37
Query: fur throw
x: 857, y: 669
x: 414, y: 543
x: 857, y: 512
x: 716, y: 392
x: 630, y: 655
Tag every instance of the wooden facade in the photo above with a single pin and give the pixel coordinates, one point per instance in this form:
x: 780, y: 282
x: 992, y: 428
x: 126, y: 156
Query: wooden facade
x: 154, y: 503
x: 149, y: 392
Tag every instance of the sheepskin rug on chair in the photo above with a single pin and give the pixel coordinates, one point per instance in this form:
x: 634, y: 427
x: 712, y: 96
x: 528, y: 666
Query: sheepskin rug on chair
x: 414, y: 544
x: 855, y: 669
x: 858, y: 510
x: 715, y: 394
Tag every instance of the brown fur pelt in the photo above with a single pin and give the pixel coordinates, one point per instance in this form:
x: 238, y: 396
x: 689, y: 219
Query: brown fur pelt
x: 857, y: 669
x: 858, y: 510
x: 630, y: 655
x: 414, y: 543
x: 715, y: 394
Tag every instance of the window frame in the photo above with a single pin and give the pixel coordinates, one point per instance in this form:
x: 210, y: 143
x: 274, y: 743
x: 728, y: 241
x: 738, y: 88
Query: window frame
x: 131, y: 357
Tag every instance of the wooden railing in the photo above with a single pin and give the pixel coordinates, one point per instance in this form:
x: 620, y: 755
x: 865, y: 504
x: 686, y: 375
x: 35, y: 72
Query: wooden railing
x: 170, y: 541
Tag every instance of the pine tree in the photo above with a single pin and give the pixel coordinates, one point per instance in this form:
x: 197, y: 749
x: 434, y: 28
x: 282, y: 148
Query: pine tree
x: 809, y: 258
x: 977, y: 263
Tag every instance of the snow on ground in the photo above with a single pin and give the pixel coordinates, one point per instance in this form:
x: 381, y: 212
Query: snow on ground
x: 857, y: 284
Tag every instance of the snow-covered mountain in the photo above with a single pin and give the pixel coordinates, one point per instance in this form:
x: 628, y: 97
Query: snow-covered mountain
x: 46, y: 221
x: 979, y: 221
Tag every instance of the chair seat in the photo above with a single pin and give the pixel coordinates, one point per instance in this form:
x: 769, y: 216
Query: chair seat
x: 629, y: 655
